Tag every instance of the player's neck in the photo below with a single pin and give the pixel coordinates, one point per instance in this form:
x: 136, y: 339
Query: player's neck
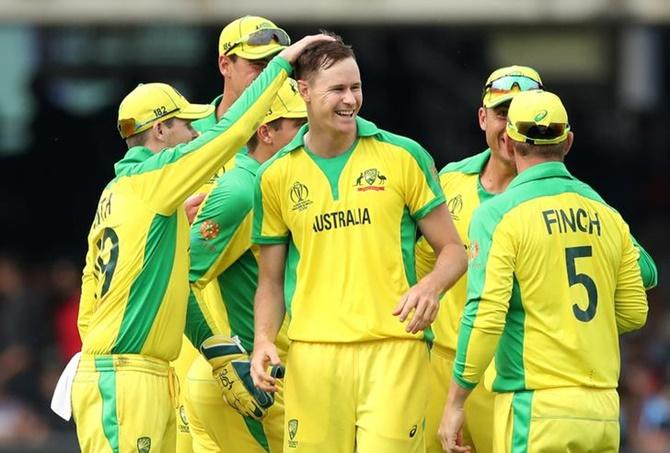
x: 524, y: 163
x: 226, y: 101
x: 497, y: 175
x: 327, y: 143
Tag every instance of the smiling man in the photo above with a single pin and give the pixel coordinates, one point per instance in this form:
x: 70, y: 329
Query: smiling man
x: 335, y: 214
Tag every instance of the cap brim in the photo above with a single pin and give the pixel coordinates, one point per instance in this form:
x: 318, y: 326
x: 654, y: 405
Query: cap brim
x: 491, y: 103
x: 195, y: 111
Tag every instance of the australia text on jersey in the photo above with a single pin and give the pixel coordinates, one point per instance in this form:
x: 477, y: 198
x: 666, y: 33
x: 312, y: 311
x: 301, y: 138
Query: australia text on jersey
x: 341, y: 219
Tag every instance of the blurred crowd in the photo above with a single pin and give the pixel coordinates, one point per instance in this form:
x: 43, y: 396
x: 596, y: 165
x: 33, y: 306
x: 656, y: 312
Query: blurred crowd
x: 38, y: 314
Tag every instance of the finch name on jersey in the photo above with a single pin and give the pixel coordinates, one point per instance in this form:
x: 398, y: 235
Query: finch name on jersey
x: 341, y: 219
x: 571, y: 220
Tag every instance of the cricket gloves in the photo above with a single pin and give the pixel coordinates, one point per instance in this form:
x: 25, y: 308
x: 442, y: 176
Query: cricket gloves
x: 231, y: 369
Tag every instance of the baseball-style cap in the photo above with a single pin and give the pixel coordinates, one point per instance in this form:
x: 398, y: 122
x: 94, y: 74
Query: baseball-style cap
x: 537, y: 117
x: 151, y: 102
x: 287, y: 104
x: 252, y: 38
x: 504, y: 83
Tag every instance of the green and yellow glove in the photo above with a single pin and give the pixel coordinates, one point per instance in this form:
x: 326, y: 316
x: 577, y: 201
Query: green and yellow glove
x: 231, y: 369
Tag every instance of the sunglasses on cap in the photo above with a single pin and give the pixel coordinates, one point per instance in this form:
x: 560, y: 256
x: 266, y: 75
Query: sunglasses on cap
x: 261, y: 37
x: 537, y: 134
x: 128, y: 126
x: 508, y: 83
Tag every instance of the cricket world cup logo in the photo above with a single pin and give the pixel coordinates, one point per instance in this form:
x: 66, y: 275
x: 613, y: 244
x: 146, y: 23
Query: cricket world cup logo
x: 299, y: 195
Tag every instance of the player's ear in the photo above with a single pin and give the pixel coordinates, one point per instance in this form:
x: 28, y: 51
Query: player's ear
x: 303, y: 89
x: 224, y: 65
x: 508, y: 146
x: 481, y: 116
x: 264, y: 134
x: 568, y: 145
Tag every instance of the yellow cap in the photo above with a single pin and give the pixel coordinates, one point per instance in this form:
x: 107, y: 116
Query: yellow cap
x: 151, y: 102
x: 537, y: 117
x: 287, y: 104
x: 252, y: 38
x: 504, y: 83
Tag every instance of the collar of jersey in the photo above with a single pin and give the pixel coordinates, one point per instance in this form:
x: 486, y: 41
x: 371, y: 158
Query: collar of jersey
x: 246, y: 162
x: 135, y: 155
x: 364, y: 128
x: 541, y: 171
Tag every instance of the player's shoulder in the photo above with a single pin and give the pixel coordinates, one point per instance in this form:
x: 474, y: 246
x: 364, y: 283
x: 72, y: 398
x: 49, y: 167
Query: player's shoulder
x: 399, y: 142
x: 470, y: 165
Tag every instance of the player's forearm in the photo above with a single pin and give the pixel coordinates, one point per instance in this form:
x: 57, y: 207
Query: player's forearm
x: 450, y: 265
x: 268, y: 313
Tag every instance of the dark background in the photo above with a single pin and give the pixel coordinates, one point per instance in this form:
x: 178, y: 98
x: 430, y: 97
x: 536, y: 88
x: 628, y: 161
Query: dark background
x: 421, y: 81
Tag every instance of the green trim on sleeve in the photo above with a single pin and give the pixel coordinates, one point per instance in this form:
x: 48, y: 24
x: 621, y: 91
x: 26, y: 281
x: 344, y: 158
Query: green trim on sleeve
x: 424, y: 211
x: 269, y: 240
x: 647, y: 265
x: 290, y: 275
x: 407, y: 237
x: 510, y: 371
x: 462, y: 382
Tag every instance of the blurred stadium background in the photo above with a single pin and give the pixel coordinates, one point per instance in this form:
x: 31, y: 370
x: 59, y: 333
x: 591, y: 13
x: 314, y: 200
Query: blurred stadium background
x: 66, y: 64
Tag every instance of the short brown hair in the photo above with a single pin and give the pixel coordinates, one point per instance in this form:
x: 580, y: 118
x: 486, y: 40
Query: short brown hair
x: 555, y: 151
x: 276, y: 124
x: 322, y: 55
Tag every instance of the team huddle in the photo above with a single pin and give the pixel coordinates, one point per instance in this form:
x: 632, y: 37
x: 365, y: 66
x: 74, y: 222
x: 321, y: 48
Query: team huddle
x: 317, y: 265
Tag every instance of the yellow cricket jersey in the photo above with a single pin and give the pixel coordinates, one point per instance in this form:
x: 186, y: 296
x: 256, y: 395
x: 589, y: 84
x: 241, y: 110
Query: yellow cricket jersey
x: 202, y: 125
x: 553, y: 279
x: 135, y: 282
x: 350, y: 224
x: 462, y: 188
x: 464, y: 192
x: 222, y: 254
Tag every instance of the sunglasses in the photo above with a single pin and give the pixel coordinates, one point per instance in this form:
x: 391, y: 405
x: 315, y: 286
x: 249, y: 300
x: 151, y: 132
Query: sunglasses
x: 261, y: 37
x: 537, y: 134
x: 128, y: 126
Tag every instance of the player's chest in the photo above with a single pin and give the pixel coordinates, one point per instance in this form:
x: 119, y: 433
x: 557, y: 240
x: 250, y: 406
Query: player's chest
x: 362, y: 193
x: 463, y: 197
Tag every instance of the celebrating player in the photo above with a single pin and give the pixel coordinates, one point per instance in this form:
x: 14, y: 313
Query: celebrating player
x: 135, y: 283
x: 335, y: 215
x: 246, y: 45
x: 466, y: 184
x: 223, y: 260
x: 553, y: 279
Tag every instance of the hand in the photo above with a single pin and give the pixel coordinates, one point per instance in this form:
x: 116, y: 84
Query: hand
x: 424, y: 300
x: 450, y: 431
x: 192, y: 204
x: 265, y: 353
x: 292, y: 52
x: 231, y: 369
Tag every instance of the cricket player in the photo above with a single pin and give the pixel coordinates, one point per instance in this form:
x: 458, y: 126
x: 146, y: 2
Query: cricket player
x: 335, y: 215
x: 553, y: 280
x: 246, y: 45
x: 135, y: 282
x: 466, y: 184
x: 222, y: 257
